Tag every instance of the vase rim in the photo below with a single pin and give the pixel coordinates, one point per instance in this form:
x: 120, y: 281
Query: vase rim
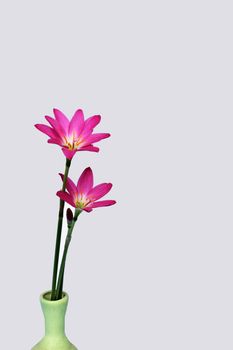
x: 44, y: 300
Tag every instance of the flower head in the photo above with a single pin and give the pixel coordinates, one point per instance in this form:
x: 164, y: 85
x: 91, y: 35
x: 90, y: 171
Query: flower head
x: 83, y: 195
x: 74, y: 135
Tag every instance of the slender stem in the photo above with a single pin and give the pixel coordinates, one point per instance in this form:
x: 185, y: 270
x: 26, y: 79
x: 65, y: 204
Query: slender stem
x: 59, y: 230
x: 63, y: 262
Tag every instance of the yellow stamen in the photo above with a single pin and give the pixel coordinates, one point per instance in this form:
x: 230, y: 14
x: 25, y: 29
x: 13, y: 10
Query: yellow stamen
x: 72, y: 143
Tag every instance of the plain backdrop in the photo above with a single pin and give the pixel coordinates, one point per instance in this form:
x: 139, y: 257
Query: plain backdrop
x: 154, y: 271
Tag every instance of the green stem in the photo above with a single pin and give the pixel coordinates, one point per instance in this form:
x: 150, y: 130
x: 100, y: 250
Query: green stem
x: 59, y: 230
x: 63, y: 262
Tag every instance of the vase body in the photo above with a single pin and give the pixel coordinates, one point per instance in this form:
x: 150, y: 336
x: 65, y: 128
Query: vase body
x: 54, y: 315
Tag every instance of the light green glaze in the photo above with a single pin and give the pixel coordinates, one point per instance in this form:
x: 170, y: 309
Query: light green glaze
x: 54, y: 314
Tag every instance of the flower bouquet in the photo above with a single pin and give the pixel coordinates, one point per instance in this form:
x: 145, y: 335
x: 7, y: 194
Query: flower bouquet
x: 72, y: 136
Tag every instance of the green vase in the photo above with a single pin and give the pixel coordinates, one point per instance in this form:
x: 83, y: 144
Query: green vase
x: 54, y: 315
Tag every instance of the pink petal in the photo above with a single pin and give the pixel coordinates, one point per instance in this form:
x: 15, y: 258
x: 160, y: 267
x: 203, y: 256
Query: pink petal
x: 85, y: 133
x: 70, y: 186
x: 52, y: 122
x: 89, y: 148
x: 91, y: 122
x: 55, y: 141
x: 102, y: 204
x: 46, y: 130
x: 56, y: 125
x: 95, y: 138
x: 69, y: 153
x: 87, y: 209
x: 85, y: 182
x: 64, y: 196
x: 62, y: 119
x: 99, y: 191
x: 77, y: 123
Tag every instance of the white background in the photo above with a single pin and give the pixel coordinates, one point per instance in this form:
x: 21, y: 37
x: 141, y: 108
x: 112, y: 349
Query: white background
x: 154, y: 271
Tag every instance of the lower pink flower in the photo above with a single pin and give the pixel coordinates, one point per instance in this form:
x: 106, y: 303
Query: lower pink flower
x: 83, y: 195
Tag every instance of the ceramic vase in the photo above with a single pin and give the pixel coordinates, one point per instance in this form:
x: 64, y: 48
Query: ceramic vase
x: 54, y: 316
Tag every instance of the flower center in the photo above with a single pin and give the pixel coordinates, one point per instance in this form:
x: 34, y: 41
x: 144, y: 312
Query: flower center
x: 82, y: 201
x: 72, y: 142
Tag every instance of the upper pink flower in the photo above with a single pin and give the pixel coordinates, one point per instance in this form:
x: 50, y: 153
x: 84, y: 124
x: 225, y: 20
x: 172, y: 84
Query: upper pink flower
x: 84, y: 196
x: 74, y: 135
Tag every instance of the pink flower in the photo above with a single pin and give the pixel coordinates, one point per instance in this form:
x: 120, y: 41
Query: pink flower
x: 84, y: 196
x: 74, y: 135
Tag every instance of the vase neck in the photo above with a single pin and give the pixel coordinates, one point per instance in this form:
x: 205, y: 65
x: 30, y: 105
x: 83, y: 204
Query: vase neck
x: 54, y: 314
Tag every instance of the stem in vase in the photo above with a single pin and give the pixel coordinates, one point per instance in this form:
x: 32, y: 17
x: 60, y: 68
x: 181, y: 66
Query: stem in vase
x: 63, y: 262
x: 59, y: 231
